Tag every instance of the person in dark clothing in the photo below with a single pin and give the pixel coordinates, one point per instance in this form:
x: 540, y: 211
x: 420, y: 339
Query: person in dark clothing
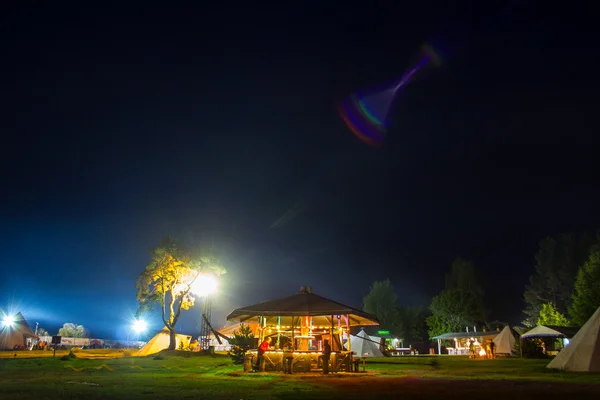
x: 326, y: 355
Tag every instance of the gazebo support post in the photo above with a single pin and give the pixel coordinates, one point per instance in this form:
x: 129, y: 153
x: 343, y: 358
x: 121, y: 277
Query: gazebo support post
x: 331, y: 333
x: 439, y: 346
x: 348, y: 329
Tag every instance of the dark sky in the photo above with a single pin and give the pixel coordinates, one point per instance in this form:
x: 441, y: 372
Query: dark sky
x: 122, y: 125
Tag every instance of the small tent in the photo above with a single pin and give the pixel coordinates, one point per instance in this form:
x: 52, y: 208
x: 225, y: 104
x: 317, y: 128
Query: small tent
x: 161, y: 342
x: 364, y: 346
x: 583, y: 353
x: 16, y: 334
x: 505, y: 341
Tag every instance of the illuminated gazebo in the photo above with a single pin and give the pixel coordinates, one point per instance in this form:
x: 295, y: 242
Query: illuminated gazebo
x: 298, y: 325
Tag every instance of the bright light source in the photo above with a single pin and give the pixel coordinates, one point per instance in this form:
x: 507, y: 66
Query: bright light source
x: 8, y: 321
x: 204, y: 285
x: 140, y: 326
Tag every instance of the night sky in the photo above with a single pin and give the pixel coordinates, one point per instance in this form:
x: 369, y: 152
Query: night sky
x: 218, y: 125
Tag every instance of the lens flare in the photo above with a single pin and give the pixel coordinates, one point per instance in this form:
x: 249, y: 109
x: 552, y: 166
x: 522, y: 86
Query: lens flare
x: 366, y: 113
x: 8, y: 321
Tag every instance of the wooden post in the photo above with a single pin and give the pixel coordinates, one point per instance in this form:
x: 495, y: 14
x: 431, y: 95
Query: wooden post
x: 293, y: 329
x: 521, y: 345
x: 331, y: 333
x: 348, y: 328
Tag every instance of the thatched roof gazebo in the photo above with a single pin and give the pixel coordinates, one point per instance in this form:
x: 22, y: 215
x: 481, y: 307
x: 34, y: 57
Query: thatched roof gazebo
x: 302, y: 322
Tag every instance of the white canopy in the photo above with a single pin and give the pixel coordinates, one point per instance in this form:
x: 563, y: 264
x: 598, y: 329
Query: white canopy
x: 364, y: 346
x: 583, y: 353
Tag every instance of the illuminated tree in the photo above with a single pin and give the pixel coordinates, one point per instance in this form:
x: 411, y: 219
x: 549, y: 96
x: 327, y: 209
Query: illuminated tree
x: 242, y: 341
x: 73, y: 330
x: 550, y: 316
x: 42, y: 332
x: 169, y: 280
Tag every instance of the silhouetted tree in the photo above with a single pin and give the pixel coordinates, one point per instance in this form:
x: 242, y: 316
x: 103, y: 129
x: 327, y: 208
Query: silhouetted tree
x: 381, y: 302
x: 586, y: 296
x: 557, y: 263
x: 460, y: 304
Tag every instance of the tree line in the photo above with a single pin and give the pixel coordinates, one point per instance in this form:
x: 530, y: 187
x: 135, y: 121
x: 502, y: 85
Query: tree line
x: 564, y: 290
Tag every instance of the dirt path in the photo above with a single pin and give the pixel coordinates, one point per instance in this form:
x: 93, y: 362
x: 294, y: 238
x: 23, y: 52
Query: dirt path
x: 435, y: 388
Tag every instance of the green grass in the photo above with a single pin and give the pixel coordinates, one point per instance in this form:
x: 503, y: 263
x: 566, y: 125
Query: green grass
x: 185, y: 375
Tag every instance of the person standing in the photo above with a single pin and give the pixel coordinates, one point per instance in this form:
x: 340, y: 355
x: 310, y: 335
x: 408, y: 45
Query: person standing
x: 326, y: 355
x: 262, y: 349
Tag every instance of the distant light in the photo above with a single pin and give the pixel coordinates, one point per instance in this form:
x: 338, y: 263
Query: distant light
x: 383, y: 332
x: 566, y: 342
x: 8, y: 321
x: 204, y: 285
x: 140, y: 326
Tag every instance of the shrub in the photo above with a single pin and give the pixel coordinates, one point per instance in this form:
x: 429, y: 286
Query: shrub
x: 241, y: 342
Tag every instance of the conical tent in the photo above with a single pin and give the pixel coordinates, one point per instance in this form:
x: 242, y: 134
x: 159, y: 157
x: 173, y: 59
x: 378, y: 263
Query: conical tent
x: 583, y: 353
x: 15, y: 335
x: 363, y: 345
x: 161, y: 342
x: 505, y: 341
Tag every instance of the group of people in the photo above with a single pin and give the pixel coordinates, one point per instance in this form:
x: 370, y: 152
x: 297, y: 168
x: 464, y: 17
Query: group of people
x: 489, y: 346
x: 323, y: 358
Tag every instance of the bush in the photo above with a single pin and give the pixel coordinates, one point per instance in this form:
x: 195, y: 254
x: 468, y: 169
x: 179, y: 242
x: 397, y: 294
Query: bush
x: 241, y: 342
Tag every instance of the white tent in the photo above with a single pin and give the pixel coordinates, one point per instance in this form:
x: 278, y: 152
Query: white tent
x: 15, y: 335
x: 505, y: 341
x: 161, y: 342
x: 363, y: 345
x: 583, y: 353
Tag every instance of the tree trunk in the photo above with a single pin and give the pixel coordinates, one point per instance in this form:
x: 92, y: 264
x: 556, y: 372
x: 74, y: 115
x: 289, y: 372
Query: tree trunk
x: 172, y: 341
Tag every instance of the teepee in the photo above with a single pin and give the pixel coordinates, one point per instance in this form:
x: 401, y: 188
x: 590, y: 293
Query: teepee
x: 161, y: 342
x: 15, y: 335
x: 583, y: 353
x: 505, y: 341
x: 363, y: 346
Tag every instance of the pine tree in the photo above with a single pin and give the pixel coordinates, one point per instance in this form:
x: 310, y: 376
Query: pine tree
x: 586, y: 296
x: 242, y: 341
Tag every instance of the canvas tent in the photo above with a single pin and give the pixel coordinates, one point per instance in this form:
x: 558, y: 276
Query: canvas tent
x: 505, y: 341
x: 583, y: 353
x: 161, y: 342
x: 15, y: 335
x: 364, y: 346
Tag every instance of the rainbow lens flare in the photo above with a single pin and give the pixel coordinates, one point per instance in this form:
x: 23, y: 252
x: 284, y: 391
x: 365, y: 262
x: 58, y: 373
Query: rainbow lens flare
x: 366, y: 114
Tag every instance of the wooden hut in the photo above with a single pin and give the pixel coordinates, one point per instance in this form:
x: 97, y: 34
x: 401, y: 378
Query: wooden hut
x: 298, y: 325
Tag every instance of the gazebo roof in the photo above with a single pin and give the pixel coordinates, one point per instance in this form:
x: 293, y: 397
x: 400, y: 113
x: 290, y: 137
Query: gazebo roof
x: 303, y: 304
x: 550, y: 331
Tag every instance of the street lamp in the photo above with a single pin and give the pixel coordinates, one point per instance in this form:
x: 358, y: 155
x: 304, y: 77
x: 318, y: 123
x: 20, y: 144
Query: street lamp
x: 8, y: 321
x: 140, y: 326
x: 204, y: 285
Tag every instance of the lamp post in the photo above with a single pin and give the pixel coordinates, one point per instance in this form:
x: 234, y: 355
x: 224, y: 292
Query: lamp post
x: 204, y: 285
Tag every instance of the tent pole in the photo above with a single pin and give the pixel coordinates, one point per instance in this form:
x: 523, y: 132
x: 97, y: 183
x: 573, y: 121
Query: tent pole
x: 439, y: 346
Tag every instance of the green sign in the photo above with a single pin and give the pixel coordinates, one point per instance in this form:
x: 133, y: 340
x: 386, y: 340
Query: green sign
x: 383, y: 332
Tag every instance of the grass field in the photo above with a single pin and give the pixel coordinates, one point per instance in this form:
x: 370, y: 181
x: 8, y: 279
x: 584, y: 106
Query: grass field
x: 185, y: 375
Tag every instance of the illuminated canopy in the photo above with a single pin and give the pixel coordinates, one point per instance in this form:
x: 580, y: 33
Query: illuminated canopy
x: 303, y: 304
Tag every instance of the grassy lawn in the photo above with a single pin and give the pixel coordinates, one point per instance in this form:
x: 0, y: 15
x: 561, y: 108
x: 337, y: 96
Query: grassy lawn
x: 191, y: 376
